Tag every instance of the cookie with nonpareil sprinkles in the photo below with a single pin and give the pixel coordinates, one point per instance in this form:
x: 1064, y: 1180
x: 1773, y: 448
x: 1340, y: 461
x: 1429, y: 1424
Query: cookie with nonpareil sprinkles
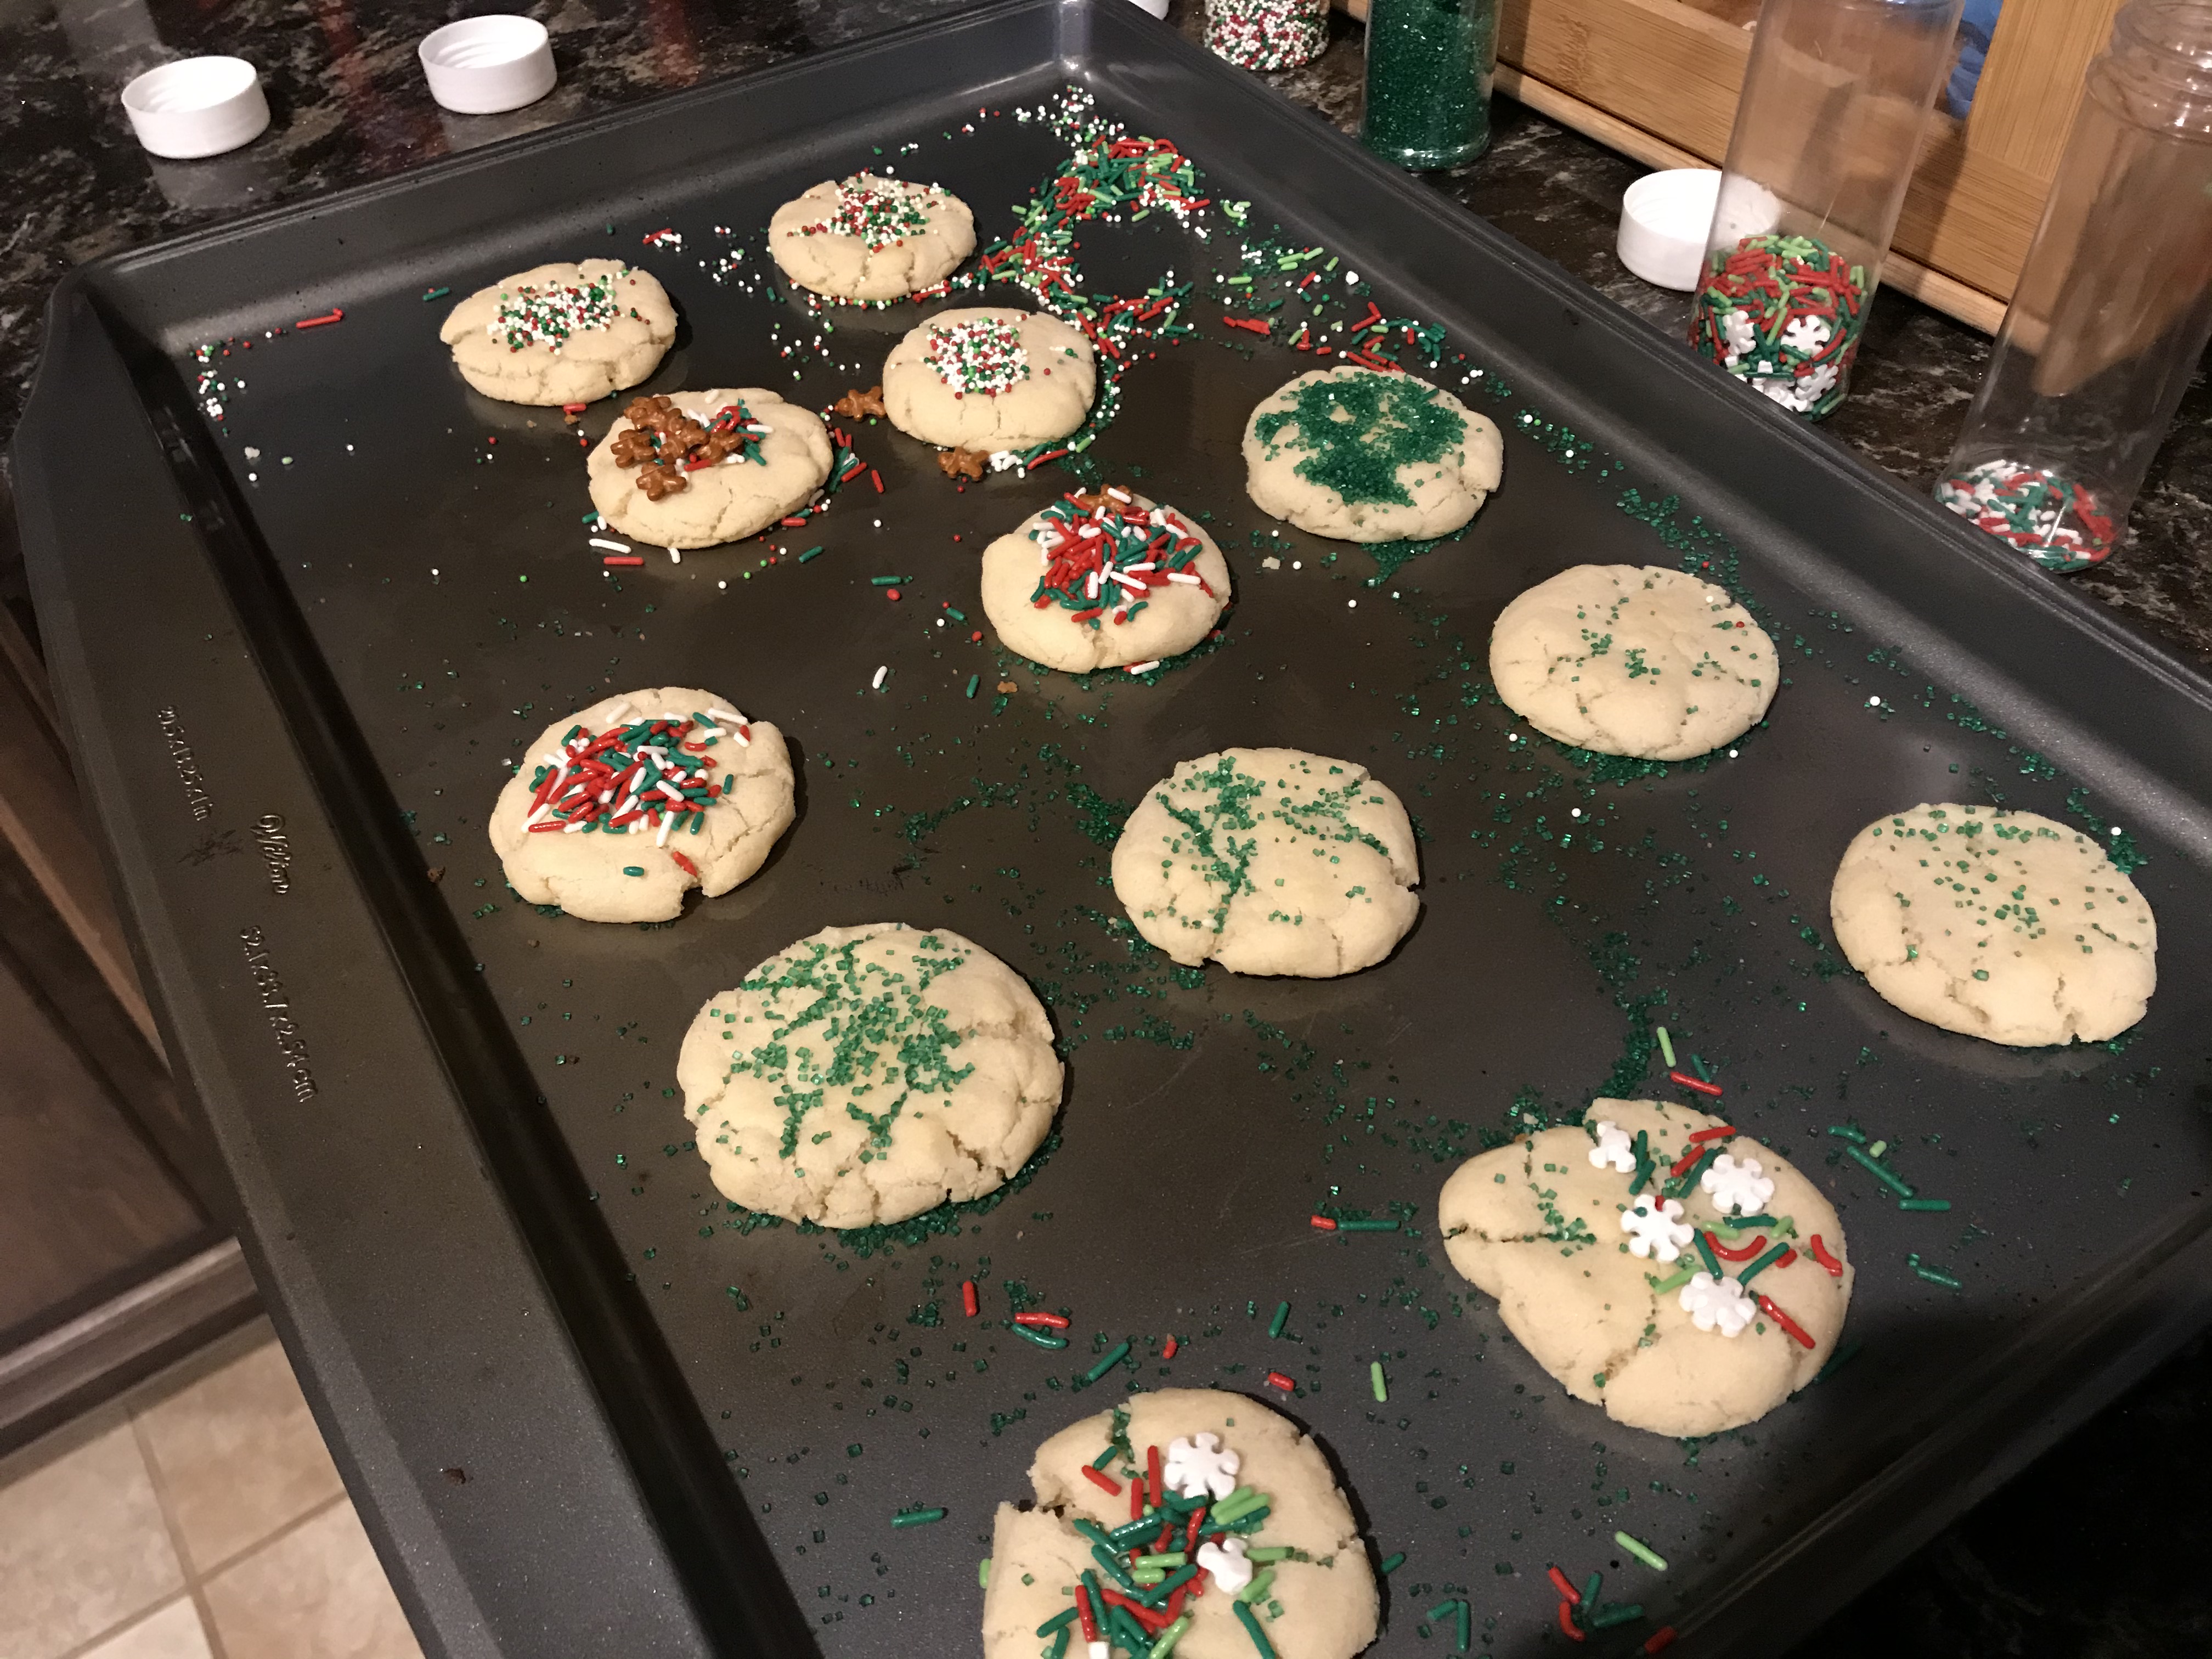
x: 1106, y: 579
x: 695, y: 468
x: 1685, y: 1278
x: 866, y: 1074
x: 867, y: 237
x: 990, y: 379
x: 561, y: 333
x: 1185, y: 1517
x: 624, y: 808
x: 1269, y: 861
x: 2001, y: 924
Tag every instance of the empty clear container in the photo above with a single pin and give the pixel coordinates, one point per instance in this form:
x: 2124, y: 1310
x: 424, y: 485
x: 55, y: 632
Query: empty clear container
x: 2113, y: 307
x: 1835, y: 99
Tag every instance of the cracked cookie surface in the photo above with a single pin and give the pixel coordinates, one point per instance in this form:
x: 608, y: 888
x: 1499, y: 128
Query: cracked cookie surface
x: 1633, y: 660
x: 2003, y: 924
x: 866, y: 1074
x: 1321, y: 1602
x: 989, y: 378
x: 561, y: 333
x: 1538, y: 1226
x: 871, y: 238
x: 744, y: 491
x: 1269, y: 861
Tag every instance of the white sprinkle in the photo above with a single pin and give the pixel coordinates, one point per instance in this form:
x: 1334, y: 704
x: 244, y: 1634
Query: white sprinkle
x: 877, y: 684
x: 1731, y: 754
x: 721, y: 584
x: 611, y: 547
x: 674, y: 557
x: 1873, y: 702
x: 1183, y: 576
x: 1351, y: 604
x: 2115, y: 830
x: 667, y: 823
x: 1297, y: 564
x: 1144, y: 667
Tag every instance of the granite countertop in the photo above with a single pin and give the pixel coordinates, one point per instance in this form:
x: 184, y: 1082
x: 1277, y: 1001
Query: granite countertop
x: 2084, y: 1555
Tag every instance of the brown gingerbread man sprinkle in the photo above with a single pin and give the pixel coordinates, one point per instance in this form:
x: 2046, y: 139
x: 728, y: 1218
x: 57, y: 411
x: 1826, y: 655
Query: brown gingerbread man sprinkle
x: 857, y: 404
x: 963, y: 463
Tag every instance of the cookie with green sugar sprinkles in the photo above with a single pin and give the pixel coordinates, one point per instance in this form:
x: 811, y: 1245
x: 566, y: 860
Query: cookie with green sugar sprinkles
x: 867, y: 1074
x: 1269, y: 861
x: 2003, y: 924
x: 871, y: 238
x: 1369, y: 455
x: 1120, y: 1550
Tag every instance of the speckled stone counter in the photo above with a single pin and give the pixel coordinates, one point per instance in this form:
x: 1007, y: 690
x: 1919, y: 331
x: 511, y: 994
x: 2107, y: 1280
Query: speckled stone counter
x: 2096, y: 1550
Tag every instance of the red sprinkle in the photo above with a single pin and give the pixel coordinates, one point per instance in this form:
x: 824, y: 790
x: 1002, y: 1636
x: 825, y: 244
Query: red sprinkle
x: 573, y: 409
x: 1053, y: 1319
x: 1089, y: 1621
x: 622, y: 558
x: 877, y: 479
x: 1718, y: 1131
x: 1567, y: 1621
x: 1169, y: 1351
x: 967, y: 1296
x: 1277, y: 1380
x: 789, y: 523
x: 1565, y: 1586
x: 1324, y: 1223
x: 1660, y: 1640
x: 1153, y: 1467
x: 1697, y: 1084
x: 1137, y: 1498
x: 1796, y: 1331
x: 683, y: 863
x: 1743, y: 1252
x: 1821, y: 1255
x: 335, y: 315
x: 1105, y: 1483
x: 891, y: 592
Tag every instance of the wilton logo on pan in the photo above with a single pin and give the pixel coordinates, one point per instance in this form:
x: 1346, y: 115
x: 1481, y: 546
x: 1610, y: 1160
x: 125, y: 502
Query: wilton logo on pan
x: 275, y: 849
x: 188, y: 769
x: 268, y: 989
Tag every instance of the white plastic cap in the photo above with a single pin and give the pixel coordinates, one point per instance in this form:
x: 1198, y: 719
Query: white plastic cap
x: 197, y: 107
x: 1664, y: 217
x: 484, y: 65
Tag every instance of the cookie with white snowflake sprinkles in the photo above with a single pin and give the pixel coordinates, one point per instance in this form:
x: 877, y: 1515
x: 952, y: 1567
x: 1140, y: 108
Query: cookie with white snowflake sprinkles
x: 866, y: 1074
x: 695, y: 468
x: 988, y: 378
x: 1223, y: 1524
x: 627, y: 806
x: 1999, y: 924
x: 1269, y: 861
x: 1686, y: 1278
x: 1364, y: 455
x: 1627, y: 660
x: 869, y: 238
x: 1105, y: 580
x: 561, y: 333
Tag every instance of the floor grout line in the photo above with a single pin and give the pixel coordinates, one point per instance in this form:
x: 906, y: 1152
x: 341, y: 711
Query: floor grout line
x: 91, y: 1645
x: 276, y: 1536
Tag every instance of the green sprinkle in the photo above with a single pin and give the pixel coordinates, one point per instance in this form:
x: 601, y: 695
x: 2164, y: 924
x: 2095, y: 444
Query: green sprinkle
x: 1879, y: 1148
x: 888, y: 581
x: 1762, y: 1264
x: 1698, y: 1067
x: 1390, y: 1563
x: 1059, y: 1644
x: 1641, y: 1551
x: 1244, y: 1616
x: 916, y: 1518
x: 956, y: 616
x: 1666, y: 1045
x: 1923, y: 1203
x: 1620, y: 1613
x: 984, y: 1572
x: 1060, y: 1620
x: 1376, y: 1380
x: 1882, y: 1173
x: 1388, y: 1225
x: 633, y: 869
x: 1712, y: 1261
x: 973, y: 680
x: 1673, y: 1281
x: 1163, y: 1644
x: 1257, y: 1589
x: 1106, y: 1559
x: 1108, y: 1364
x: 1101, y: 1461
x: 1171, y: 1559
x: 1466, y: 1622
x: 1933, y: 1275
x: 1260, y: 1554
x: 1238, y: 1503
x: 1282, y: 1315
x: 1845, y: 1131
x: 1443, y: 1610
x: 1591, y: 1585
x: 809, y: 553
x: 435, y: 293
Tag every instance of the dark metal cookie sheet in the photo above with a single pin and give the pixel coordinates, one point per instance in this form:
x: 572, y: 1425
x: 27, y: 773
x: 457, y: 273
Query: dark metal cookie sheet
x: 397, y: 570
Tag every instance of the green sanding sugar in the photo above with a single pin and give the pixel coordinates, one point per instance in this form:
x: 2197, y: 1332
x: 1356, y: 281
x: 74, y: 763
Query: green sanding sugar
x: 1360, y: 430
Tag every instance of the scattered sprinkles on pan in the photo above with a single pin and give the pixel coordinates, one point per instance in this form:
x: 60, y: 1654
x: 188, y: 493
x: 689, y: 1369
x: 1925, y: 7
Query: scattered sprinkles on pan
x: 531, y: 316
x: 2033, y: 510
x: 881, y: 212
x: 1102, y: 556
x: 652, y: 774
x: 1783, y: 314
x: 984, y: 356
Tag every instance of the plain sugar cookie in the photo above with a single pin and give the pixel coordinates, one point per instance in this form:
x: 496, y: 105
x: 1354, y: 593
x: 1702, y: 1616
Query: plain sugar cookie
x: 866, y: 1074
x: 1368, y: 456
x: 1628, y: 661
x: 694, y: 469
x: 561, y: 333
x: 1269, y: 861
x: 1103, y: 581
x: 1682, y: 1303
x: 1269, y: 1512
x: 2001, y: 924
x: 990, y: 379
x: 866, y: 238
x: 627, y: 806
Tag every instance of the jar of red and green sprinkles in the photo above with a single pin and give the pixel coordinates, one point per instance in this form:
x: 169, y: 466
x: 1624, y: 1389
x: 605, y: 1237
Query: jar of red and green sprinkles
x: 1267, y: 34
x: 1835, y: 99
x: 2113, y: 309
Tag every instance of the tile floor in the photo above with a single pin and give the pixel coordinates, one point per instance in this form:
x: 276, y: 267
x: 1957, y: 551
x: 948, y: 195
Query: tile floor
x: 198, y: 1517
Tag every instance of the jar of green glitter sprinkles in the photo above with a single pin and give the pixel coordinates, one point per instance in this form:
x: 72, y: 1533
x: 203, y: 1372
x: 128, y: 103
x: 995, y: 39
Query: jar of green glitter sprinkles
x: 1267, y: 34
x: 1429, y: 69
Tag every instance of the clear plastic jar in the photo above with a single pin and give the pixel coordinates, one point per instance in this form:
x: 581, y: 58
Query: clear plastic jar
x: 2112, y: 308
x: 1429, y: 63
x: 1835, y: 99
x: 1267, y: 34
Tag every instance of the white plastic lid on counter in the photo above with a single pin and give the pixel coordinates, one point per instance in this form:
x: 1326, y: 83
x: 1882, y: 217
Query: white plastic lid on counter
x: 197, y: 107
x: 1664, y: 219
x: 487, y: 65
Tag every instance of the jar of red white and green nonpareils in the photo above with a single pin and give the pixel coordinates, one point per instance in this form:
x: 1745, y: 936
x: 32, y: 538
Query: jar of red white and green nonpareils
x: 1267, y: 34
x: 2112, y: 308
x: 1835, y: 99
